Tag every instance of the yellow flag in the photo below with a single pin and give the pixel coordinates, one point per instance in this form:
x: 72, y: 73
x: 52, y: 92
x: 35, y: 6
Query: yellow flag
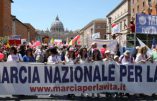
x: 71, y: 43
x: 52, y: 40
x: 8, y: 46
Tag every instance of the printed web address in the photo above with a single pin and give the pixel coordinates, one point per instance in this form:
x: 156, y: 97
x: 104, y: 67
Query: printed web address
x: 97, y: 87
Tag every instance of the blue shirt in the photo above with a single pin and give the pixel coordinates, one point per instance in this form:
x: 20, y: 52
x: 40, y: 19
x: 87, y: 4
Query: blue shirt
x: 28, y: 59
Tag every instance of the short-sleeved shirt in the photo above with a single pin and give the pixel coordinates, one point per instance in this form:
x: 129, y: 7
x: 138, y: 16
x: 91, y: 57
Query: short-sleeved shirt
x: 154, y: 56
x: 13, y: 58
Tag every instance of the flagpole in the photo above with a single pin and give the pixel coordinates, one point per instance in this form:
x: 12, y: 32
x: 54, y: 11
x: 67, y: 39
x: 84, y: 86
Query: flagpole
x: 135, y: 39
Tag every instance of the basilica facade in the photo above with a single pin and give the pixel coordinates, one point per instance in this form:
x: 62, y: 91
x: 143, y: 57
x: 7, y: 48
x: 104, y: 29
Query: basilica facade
x: 57, y: 31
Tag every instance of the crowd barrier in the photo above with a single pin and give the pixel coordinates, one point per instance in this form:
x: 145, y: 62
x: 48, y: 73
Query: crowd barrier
x: 95, y: 77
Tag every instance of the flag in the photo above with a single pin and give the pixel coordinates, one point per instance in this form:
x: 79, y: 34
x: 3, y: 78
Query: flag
x: 73, y: 41
x: 8, y: 46
x: 115, y: 29
x: 52, y: 40
x: 149, y: 51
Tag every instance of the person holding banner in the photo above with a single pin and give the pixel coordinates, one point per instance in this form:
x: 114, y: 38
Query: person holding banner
x: 141, y: 56
x: 96, y: 56
x: 29, y: 56
x: 70, y: 57
x: 90, y: 51
x: 126, y: 58
x: 154, y: 54
x: 116, y: 59
x: 107, y: 56
x: 13, y: 55
x: 83, y: 55
x: 54, y: 58
x: 39, y: 54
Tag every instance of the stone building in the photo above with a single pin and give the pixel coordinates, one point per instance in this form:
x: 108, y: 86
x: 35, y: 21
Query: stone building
x: 143, y: 6
x: 57, y: 31
x: 57, y: 27
x: 121, y: 17
x: 5, y: 18
x: 97, y: 26
x: 10, y: 25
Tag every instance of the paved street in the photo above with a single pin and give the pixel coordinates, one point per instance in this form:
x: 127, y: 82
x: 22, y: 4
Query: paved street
x: 77, y: 98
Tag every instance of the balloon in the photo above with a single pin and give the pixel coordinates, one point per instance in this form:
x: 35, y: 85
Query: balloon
x: 1, y: 56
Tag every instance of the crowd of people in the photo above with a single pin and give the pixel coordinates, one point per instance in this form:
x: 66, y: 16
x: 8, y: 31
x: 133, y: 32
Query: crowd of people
x: 75, y: 54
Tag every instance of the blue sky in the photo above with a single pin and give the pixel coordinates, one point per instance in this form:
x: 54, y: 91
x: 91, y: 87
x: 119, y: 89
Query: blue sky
x: 74, y: 14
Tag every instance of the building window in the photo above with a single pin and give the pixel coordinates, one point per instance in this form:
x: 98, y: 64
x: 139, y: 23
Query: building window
x: 133, y: 10
x: 92, y: 30
x: 143, y: 4
x: 150, y: 3
x: 125, y: 24
x: 120, y: 25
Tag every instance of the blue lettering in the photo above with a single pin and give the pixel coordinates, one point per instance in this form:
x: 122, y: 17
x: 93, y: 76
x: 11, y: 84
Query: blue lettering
x: 5, y: 76
x: 96, y: 74
x: 88, y: 73
x: 111, y: 72
x: 29, y: 75
x: 155, y: 75
x: 14, y: 74
x: 48, y: 74
x: 149, y: 79
x: 22, y: 78
x: 123, y: 72
x: 138, y: 74
x: 57, y: 76
x: 71, y: 74
x: 104, y: 78
x: 64, y: 79
x: 35, y: 76
x: 130, y: 73
x: 79, y: 70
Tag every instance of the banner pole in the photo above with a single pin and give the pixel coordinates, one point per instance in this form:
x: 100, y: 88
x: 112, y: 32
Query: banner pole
x: 134, y: 39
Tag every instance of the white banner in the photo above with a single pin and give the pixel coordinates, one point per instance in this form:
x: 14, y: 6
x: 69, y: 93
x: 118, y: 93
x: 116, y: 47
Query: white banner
x: 96, y: 77
x: 95, y: 36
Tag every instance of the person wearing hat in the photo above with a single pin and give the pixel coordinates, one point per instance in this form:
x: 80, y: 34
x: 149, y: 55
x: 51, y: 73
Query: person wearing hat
x: 70, y: 57
x: 107, y: 56
x: 116, y: 59
x: 126, y: 58
x: 91, y: 50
